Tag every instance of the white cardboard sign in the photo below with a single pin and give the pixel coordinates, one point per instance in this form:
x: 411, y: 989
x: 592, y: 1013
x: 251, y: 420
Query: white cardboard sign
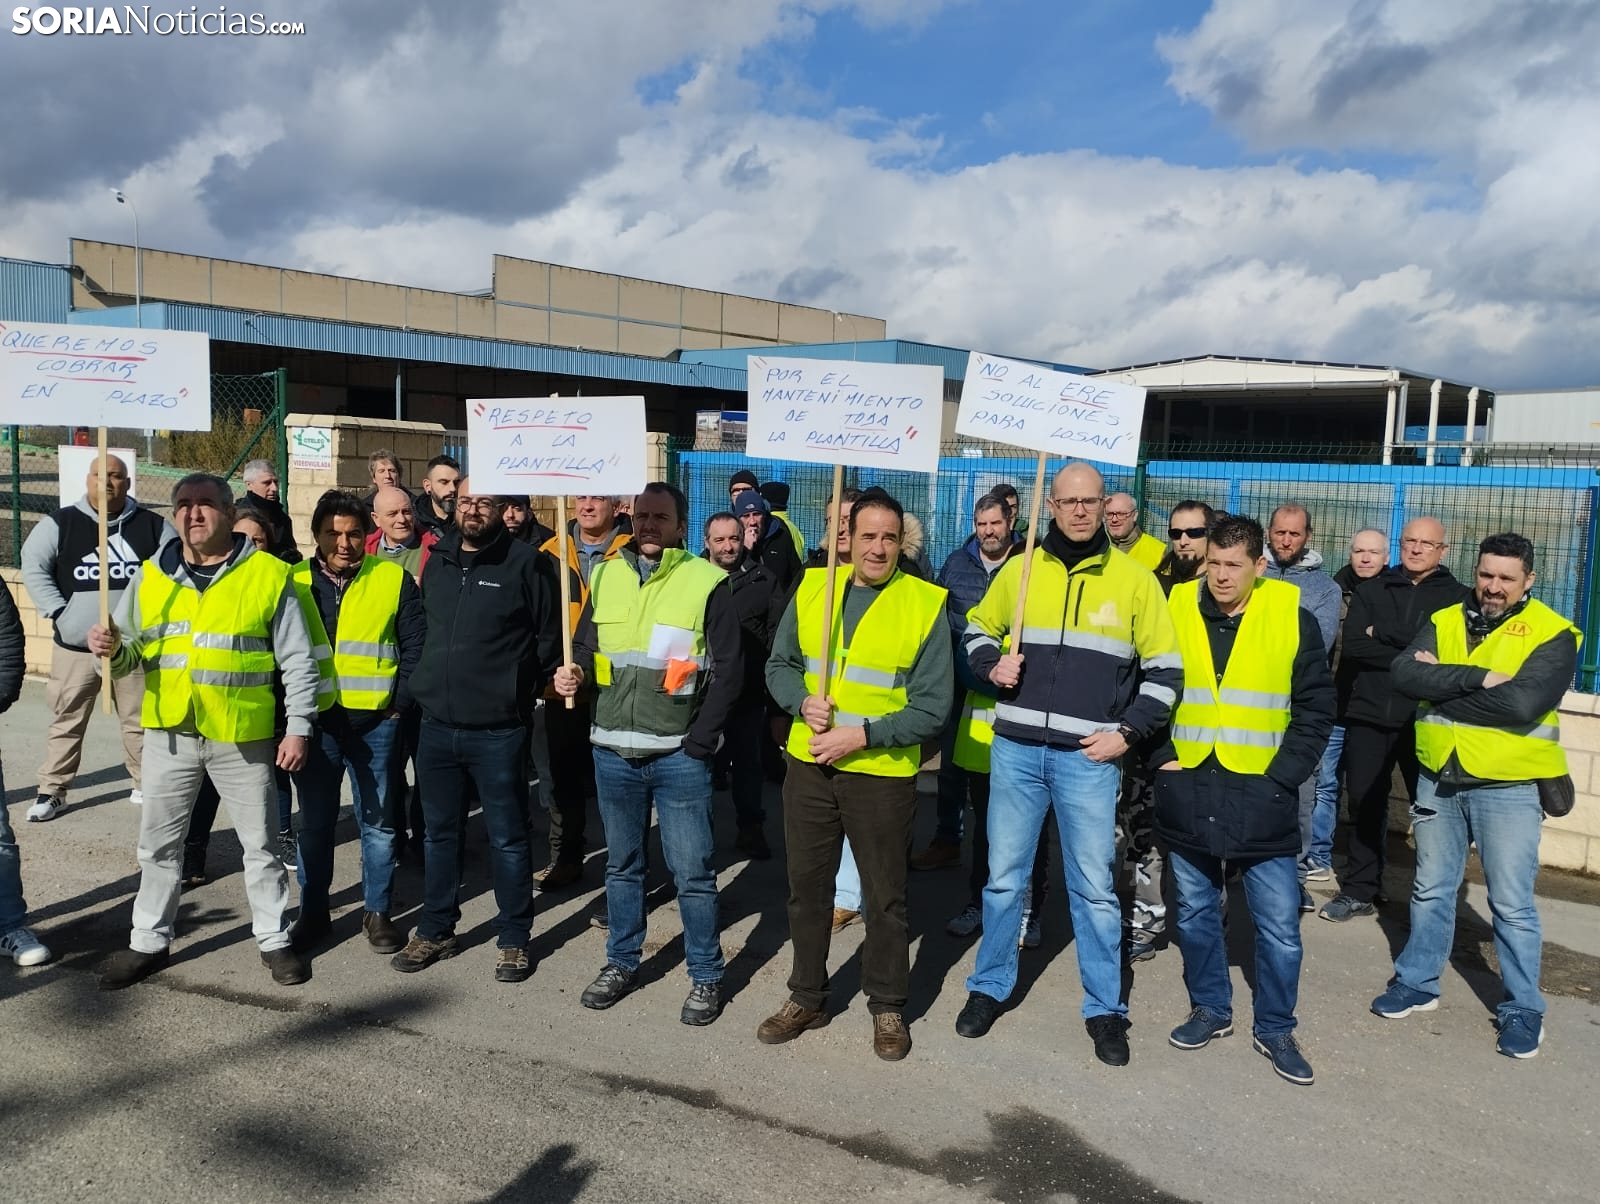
x: 73, y: 464
x: 556, y: 445
x: 311, y: 447
x: 845, y: 412
x: 1058, y: 413
x: 58, y: 374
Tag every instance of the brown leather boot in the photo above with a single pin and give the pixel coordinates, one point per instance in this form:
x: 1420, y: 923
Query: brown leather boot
x: 788, y: 1022
x: 890, y: 1040
x: 381, y: 933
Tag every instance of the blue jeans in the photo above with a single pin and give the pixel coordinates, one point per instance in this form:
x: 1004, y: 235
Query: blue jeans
x: 1503, y: 821
x: 847, y: 883
x: 13, y: 910
x: 680, y: 788
x: 495, y: 761
x: 369, y: 759
x: 1325, y: 815
x: 1026, y: 783
x: 1272, y: 893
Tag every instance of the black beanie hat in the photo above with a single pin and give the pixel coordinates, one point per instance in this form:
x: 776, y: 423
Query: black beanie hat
x: 743, y: 477
x: 777, y: 494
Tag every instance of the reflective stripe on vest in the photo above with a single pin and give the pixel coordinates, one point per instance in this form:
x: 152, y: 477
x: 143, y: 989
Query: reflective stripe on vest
x: 1512, y: 752
x: 1241, y: 719
x: 868, y: 679
x: 359, y: 671
x: 208, y: 657
x: 651, y: 663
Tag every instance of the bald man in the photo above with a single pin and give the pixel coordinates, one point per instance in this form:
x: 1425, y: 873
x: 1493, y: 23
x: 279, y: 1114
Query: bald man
x: 61, y: 571
x: 1122, y: 524
x: 397, y: 535
x: 1385, y: 615
x: 1094, y: 671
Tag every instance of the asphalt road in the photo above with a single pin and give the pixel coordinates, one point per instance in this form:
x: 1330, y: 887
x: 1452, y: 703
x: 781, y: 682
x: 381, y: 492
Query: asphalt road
x: 210, y: 1083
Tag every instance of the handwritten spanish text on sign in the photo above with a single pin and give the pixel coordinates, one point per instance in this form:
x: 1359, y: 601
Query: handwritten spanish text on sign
x: 1059, y: 413
x: 556, y: 445
x: 845, y: 412
x: 104, y: 376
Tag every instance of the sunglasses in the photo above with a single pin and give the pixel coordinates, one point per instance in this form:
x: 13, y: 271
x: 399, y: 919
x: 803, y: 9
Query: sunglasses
x: 1180, y: 532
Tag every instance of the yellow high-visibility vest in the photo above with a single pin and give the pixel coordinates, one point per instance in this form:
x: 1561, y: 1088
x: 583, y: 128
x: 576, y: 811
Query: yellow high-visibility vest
x: 867, y: 679
x: 1148, y: 550
x: 359, y: 672
x: 1510, y: 753
x: 211, y: 653
x: 1243, y: 717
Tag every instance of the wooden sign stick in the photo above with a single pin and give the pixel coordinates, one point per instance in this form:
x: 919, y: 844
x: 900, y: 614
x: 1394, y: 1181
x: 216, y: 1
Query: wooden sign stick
x: 1027, y: 555
x: 564, y: 545
x: 833, y: 569
x: 105, y: 579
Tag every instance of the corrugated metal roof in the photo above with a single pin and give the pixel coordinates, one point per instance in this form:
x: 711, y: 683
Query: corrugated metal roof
x: 34, y: 292
x: 953, y: 360
x: 350, y: 338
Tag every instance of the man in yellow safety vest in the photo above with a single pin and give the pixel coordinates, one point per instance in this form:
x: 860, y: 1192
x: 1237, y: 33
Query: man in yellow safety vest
x: 216, y: 625
x: 1256, y: 709
x: 853, y: 757
x: 1489, y: 674
x: 367, y: 627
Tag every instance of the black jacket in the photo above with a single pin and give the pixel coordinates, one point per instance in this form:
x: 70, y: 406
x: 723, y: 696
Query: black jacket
x: 967, y: 578
x: 775, y: 552
x: 1212, y: 810
x: 1396, y: 610
x: 494, y: 633
x: 427, y: 520
x: 411, y: 627
x: 278, y: 522
x: 757, y: 601
x: 13, y: 650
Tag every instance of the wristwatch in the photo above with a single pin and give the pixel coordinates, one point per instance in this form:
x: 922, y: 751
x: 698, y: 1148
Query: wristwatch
x: 866, y: 731
x: 1128, y: 734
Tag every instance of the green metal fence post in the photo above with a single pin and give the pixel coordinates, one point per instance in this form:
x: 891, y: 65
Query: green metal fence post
x: 1138, y: 480
x: 280, y: 414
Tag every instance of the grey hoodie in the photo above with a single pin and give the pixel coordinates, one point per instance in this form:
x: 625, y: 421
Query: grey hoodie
x: 1319, y: 593
x: 291, y: 641
x: 74, y: 615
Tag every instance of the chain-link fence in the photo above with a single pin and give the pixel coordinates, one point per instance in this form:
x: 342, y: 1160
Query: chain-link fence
x: 247, y: 414
x: 1549, y: 494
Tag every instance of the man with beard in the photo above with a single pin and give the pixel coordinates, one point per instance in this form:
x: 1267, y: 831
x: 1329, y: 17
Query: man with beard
x: 754, y: 589
x: 1386, y: 615
x: 493, y: 640
x: 1490, y: 673
x: 660, y: 640
x: 1186, y: 547
x: 1122, y: 524
x: 437, y: 504
x: 766, y: 539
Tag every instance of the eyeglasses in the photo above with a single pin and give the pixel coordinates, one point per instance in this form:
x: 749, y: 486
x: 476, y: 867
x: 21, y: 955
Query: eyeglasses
x: 1427, y: 544
x: 1119, y: 513
x: 1076, y: 503
x: 476, y: 503
x: 1177, y: 533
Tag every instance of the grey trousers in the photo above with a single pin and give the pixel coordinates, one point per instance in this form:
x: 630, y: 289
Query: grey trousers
x: 174, y: 765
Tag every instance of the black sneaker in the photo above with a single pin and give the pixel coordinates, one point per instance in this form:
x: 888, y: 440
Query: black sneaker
x: 128, y: 966
x: 1345, y: 907
x: 978, y: 1017
x: 287, y: 853
x: 1110, y: 1035
x: 611, y: 985
x: 703, y: 1005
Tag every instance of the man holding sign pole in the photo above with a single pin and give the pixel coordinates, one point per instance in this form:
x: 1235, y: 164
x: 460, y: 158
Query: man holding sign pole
x: 853, y: 753
x: 1094, y: 669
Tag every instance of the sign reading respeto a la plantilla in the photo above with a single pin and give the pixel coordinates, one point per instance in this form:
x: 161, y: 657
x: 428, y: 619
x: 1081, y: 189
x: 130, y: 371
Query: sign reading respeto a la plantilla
x: 1057, y: 413
x: 104, y: 376
x: 556, y: 446
x: 845, y: 412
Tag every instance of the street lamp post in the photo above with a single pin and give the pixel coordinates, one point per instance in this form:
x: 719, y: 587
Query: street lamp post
x: 138, y: 291
x: 855, y: 341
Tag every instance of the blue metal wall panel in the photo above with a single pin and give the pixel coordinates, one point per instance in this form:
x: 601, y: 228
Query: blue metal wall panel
x: 34, y: 292
x: 953, y: 360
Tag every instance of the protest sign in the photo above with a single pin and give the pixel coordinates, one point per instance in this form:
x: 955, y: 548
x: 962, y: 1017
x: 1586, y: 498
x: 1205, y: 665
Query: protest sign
x: 1057, y: 413
x: 73, y: 464
x: 845, y: 412
x: 556, y: 445
x: 104, y: 376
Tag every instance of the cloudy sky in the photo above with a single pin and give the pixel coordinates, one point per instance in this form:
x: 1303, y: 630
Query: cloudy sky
x: 1094, y: 181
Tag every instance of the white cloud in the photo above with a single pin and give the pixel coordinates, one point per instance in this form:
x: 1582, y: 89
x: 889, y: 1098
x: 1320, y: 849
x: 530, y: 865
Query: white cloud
x: 1079, y: 256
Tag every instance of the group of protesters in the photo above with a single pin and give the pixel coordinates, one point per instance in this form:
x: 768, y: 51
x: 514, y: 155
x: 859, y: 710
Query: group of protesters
x: 1190, y: 710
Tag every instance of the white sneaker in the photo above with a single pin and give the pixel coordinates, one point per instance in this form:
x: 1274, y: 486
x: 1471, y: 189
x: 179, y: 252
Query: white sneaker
x: 22, y: 947
x: 1032, y: 936
x: 47, y: 808
x: 968, y: 922
x: 136, y: 797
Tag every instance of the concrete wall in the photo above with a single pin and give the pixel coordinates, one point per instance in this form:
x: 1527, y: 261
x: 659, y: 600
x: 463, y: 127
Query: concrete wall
x: 36, y: 629
x: 1573, y: 841
x: 531, y: 302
